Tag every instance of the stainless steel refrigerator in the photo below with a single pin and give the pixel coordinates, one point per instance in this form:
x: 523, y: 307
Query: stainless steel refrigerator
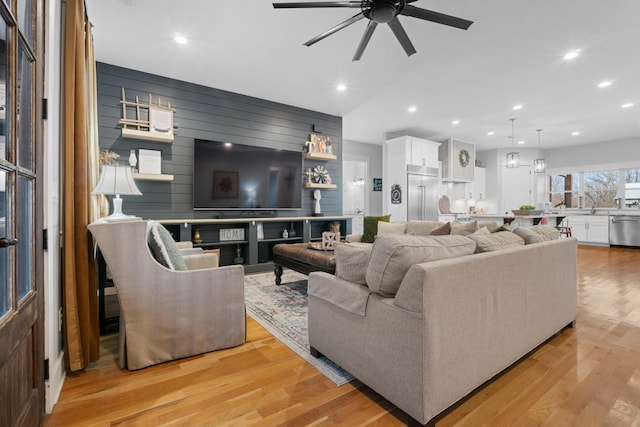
x: 422, y: 193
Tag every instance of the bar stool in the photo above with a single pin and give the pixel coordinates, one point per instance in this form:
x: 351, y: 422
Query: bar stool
x: 564, y: 231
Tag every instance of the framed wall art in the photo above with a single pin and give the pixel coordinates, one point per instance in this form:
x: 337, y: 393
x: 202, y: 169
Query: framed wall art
x: 225, y: 185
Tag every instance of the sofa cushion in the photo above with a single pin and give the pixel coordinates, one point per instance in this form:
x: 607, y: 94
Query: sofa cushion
x: 463, y: 228
x: 422, y: 228
x: 496, y: 241
x: 393, y: 255
x: 391, y: 227
x: 482, y: 231
x: 537, y: 233
x: 371, y: 227
x: 164, y: 248
x: 352, y: 260
x: 441, y: 231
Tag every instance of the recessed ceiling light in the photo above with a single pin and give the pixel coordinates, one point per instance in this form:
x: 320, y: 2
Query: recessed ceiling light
x: 571, y: 54
x: 455, y: 122
x: 576, y: 133
x: 521, y: 142
x: 491, y: 133
x: 412, y: 109
x: 627, y: 105
x: 180, y: 39
x: 517, y: 107
x: 605, y: 83
x: 341, y: 87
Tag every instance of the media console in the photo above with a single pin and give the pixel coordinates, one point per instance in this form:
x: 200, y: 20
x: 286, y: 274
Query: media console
x: 249, y: 241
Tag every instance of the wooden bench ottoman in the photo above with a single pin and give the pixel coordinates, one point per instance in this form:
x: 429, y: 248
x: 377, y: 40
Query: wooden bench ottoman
x: 301, y: 258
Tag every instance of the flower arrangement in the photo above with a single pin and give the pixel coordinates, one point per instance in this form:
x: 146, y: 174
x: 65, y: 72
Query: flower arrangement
x: 107, y: 157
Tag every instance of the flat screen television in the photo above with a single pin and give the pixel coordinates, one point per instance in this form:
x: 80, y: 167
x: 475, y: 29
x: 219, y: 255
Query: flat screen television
x: 230, y: 176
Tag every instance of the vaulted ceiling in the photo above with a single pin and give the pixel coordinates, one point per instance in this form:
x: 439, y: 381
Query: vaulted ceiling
x: 511, y: 55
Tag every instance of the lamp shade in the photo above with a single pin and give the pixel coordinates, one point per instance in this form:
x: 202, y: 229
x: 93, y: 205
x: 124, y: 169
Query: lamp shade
x: 116, y: 179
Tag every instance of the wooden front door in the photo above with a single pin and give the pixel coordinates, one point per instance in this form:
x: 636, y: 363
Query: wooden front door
x: 21, y: 211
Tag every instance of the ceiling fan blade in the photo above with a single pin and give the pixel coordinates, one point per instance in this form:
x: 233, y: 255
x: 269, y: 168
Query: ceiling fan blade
x: 438, y: 18
x: 364, y: 41
x: 335, y: 29
x: 317, y: 4
x: 402, y: 36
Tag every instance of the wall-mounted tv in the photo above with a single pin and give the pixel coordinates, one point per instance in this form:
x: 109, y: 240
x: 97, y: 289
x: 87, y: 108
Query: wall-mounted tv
x: 230, y: 176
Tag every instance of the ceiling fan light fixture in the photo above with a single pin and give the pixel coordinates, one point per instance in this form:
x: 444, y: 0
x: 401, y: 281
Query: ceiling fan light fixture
x: 382, y: 11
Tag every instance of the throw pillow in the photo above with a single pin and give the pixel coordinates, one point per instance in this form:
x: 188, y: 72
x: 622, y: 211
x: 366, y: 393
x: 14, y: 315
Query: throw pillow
x: 442, y: 231
x: 463, y: 228
x: 546, y: 232
x: 371, y: 227
x: 391, y: 227
x: 529, y: 236
x: 393, y: 255
x: 490, y: 225
x: 352, y: 260
x: 496, y: 241
x: 503, y: 227
x: 484, y: 231
x: 164, y: 248
x: 422, y: 228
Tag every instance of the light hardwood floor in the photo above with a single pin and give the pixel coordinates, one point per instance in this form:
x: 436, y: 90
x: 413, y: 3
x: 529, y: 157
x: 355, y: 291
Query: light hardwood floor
x: 587, y: 376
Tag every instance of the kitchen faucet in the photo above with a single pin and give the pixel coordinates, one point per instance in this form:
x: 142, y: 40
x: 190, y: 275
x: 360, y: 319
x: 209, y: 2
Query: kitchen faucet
x: 593, y: 210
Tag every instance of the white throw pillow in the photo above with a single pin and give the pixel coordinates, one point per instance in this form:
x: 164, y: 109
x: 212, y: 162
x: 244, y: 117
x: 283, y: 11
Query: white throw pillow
x: 385, y: 228
x: 352, y: 260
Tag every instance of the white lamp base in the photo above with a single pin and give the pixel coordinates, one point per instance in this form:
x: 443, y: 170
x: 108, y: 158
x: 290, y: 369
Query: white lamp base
x: 117, y: 214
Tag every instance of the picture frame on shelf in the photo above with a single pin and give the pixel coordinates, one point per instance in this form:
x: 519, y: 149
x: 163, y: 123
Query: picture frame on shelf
x: 160, y: 120
x: 150, y: 161
x: 320, y: 144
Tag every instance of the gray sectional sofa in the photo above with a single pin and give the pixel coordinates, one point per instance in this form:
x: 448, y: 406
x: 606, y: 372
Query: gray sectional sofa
x: 425, y: 320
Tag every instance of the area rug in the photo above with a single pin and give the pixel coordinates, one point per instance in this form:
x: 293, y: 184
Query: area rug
x: 282, y: 310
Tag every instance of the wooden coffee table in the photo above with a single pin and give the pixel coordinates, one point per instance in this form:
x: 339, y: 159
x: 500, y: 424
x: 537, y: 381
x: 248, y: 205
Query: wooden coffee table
x: 301, y: 258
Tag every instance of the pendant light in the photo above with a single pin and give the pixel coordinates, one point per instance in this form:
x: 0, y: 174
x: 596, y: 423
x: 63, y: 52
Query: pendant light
x: 513, y: 158
x: 539, y: 164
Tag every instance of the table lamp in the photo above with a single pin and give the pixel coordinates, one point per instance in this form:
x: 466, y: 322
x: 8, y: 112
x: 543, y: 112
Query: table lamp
x: 116, y: 180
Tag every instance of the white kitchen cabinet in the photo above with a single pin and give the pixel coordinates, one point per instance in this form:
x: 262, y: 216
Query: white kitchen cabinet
x: 589, y: 228
x: 458, y: 160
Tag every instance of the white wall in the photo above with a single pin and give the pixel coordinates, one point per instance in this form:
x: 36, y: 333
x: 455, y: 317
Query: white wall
x: 372, y: 155
x: 624, y: 153
x: 53, y: 348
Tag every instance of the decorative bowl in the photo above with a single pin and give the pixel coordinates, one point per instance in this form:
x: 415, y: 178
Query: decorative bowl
x: 526, y: 212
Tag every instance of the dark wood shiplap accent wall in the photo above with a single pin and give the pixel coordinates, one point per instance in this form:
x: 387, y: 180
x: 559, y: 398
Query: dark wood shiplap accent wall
x: 213, y: 114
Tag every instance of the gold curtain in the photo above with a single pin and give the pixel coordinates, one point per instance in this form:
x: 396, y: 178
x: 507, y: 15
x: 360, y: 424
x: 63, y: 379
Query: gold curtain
x: 79, y: 275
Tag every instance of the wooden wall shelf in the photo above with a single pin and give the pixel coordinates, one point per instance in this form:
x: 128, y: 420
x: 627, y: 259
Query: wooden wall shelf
x: 317, y: 185
x: 146, y: 135
x: 320, y: 156
x: 153, y: 177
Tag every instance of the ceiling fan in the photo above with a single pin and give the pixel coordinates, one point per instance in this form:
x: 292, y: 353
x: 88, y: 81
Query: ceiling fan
x: 379, y: 12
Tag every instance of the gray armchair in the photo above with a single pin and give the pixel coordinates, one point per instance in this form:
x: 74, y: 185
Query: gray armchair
x: 167, y: 314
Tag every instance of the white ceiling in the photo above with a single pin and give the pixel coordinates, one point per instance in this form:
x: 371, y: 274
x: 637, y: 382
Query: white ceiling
x: 512, y: 54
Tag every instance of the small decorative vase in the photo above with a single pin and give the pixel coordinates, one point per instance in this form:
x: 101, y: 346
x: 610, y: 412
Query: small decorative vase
x: 133, y: 160
x: 196, y: 236
x: 292, y: 231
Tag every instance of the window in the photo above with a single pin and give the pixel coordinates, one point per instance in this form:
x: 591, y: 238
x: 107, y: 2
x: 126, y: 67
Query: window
x: 564, y: 190
x: 600, y: 189
x: 631, y: 188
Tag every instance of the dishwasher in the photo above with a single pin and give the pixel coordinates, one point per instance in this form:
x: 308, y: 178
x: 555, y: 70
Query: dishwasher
x: 624, y: 230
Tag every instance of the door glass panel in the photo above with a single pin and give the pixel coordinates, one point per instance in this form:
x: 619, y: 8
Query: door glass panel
x: 3, y: 89
x: 5, y: 272
x: 25, y: 19
x: 25, y: 109
x: 25, y: 221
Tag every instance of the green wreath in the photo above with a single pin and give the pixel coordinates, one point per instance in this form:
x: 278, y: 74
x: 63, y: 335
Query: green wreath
x: 464, y: 157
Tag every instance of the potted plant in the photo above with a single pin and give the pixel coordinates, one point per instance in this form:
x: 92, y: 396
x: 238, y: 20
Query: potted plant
x: 526, y: 210
x: 335, y: 226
